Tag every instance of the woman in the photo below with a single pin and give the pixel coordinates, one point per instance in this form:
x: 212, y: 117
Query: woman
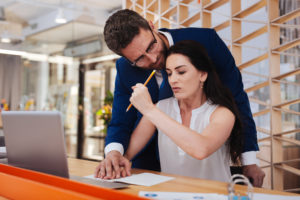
x: 199, y: 128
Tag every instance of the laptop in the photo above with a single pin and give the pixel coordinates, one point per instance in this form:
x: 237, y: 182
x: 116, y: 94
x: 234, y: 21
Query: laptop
x: 35, y: 140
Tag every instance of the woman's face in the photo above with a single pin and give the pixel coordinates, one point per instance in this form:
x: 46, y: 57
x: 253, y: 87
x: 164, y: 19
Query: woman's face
x: 183, y: 77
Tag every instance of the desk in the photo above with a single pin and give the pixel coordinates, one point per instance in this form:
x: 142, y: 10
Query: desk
x: 179, y: 184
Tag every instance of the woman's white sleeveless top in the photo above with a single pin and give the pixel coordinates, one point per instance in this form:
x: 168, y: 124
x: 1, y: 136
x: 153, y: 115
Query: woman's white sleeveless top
x: 174, y: 160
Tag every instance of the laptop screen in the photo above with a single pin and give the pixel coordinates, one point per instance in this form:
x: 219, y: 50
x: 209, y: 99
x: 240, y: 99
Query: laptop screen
x: 35, y: 140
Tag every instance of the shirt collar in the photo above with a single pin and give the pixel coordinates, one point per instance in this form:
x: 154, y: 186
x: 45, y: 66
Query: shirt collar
x: 168, y: 36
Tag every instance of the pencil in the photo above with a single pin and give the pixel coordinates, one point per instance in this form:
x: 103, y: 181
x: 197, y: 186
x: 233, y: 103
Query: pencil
x: 146, y: 82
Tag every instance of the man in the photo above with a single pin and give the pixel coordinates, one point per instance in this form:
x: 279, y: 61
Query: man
x: 143, y: 49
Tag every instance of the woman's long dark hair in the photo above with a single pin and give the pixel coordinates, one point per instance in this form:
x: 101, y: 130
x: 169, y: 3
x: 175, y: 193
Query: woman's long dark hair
x: 214, y: 90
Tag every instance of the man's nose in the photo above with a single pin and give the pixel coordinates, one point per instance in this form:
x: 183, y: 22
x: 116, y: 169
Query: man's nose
x: 152, y: 57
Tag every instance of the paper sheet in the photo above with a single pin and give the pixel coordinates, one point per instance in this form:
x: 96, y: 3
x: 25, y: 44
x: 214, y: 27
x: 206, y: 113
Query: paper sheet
x: 144, y: 179
x: 209, y: 196
x: 258, y: 196
x: 2, y: 149
x: 182, y: 196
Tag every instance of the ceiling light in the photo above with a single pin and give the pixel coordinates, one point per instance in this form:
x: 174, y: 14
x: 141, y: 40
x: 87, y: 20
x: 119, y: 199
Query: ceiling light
x: 60, y: 18
x: 5, y: 40
x: 41, y: 57
x: 101, y: 59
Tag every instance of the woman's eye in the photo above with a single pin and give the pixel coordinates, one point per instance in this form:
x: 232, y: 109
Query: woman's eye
x: 181, y: 72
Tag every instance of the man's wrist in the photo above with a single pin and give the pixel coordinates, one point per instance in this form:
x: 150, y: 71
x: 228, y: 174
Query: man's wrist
x: 249, y: 158
x: 114, y: 146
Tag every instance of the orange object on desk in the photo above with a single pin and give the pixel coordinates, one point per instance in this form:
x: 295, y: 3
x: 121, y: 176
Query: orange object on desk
x: 17, y: 183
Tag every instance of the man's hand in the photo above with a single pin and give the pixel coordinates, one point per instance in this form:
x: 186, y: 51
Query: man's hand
x: 255, y: 173
x: 113, y: 166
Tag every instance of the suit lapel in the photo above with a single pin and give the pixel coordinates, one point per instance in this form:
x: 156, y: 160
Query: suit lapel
x: 165, y: 90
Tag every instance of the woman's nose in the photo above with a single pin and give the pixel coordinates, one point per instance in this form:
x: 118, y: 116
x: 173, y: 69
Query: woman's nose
x: 172, y: 78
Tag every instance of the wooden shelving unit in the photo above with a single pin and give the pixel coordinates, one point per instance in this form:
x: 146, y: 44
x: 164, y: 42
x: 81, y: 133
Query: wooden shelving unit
x: 177, y: 14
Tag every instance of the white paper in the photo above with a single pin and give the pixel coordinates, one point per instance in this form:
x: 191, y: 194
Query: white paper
x: 182, y: 196
x: 259, y: 196
x: 144, y: 179
x: 2, y: 149
x: 208, y: 196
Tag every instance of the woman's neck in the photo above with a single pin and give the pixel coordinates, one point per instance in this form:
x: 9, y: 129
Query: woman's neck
x: 191, y: 103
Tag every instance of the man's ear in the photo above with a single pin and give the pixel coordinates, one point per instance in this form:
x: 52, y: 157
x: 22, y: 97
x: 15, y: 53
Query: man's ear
x: 151, y: 25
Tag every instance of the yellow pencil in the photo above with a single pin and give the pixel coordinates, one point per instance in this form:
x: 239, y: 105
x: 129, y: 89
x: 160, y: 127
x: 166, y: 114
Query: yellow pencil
x: 146, y: 82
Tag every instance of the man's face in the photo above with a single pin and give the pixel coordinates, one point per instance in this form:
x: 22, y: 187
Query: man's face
x: 146, y: 50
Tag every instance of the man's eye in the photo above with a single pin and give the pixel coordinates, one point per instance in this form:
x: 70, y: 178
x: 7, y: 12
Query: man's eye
x: 169, y: 74
x: 151, y: 47
x: 140, y: 59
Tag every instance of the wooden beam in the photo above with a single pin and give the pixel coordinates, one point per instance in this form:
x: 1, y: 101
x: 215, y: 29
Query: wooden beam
x: 263, y: 130
x: 288, y: 161
x: 287, y: 103
x: 287, y: 45
x: 253, y: 61
x: 286, y: 53
x: 216, y: 4
x: 169, y: 12
x: 263, y: 103
x: 264, y: 166
x: 164, y: 5
x: 264, y: 139
x: 262, y: 112
x: 187, y: 22
x: 289, y: 140
x: 129, y: 4
x: 186, y: 1
x: 267, y: 161
x: 254, y: 74
x: 286, y: 82
x: 287, y: 132
x: 222, y: 26
x: 252, y: 35
x: 287, y: 17
x: 139, y: 3
x: 290, y: 73
x: 286, y: 111
x: 153, y: 6
x: 289, y: 169
x: 286, y: 25
x: 257, y: 86
x: 251, y: 9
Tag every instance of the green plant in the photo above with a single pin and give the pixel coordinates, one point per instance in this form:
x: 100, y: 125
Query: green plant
x: 105, y: 112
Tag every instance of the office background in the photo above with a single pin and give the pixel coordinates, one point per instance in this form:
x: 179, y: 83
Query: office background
x: 53, y: 57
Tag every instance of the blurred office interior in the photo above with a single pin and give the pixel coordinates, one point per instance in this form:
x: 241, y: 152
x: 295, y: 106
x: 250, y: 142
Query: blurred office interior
x: 53, y: 57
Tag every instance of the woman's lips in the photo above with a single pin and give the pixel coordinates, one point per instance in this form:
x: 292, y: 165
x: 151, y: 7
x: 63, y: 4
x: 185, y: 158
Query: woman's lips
x: 176, y: 89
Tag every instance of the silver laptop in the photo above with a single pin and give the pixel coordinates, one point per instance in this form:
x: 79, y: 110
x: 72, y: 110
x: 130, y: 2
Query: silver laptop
x: 35, y: 140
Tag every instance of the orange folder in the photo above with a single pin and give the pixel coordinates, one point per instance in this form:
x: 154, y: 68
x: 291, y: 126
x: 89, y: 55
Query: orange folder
x: 17, y: 183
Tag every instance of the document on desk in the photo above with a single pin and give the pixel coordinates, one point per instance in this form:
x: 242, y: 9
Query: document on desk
x: 144, y: 179
x: 209, y: 196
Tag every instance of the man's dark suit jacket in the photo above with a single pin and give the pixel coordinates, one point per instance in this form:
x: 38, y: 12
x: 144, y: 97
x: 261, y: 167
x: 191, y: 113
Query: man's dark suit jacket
x: 123, y: 123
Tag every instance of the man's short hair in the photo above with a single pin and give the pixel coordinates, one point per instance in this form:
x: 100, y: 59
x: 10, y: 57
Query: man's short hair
x: 121, y: 28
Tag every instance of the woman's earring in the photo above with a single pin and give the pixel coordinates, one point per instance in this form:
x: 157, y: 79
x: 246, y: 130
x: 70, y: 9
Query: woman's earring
x: 201, y: 84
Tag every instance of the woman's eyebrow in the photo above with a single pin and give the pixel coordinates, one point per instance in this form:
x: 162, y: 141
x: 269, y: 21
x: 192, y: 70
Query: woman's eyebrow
x: 179, y: 66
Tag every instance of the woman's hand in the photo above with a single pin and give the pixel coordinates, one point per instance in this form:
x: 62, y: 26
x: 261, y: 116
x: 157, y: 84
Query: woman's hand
x: 141, y: 99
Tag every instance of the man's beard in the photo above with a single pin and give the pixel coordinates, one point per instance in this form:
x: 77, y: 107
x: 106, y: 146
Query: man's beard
x: 162, y: 55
